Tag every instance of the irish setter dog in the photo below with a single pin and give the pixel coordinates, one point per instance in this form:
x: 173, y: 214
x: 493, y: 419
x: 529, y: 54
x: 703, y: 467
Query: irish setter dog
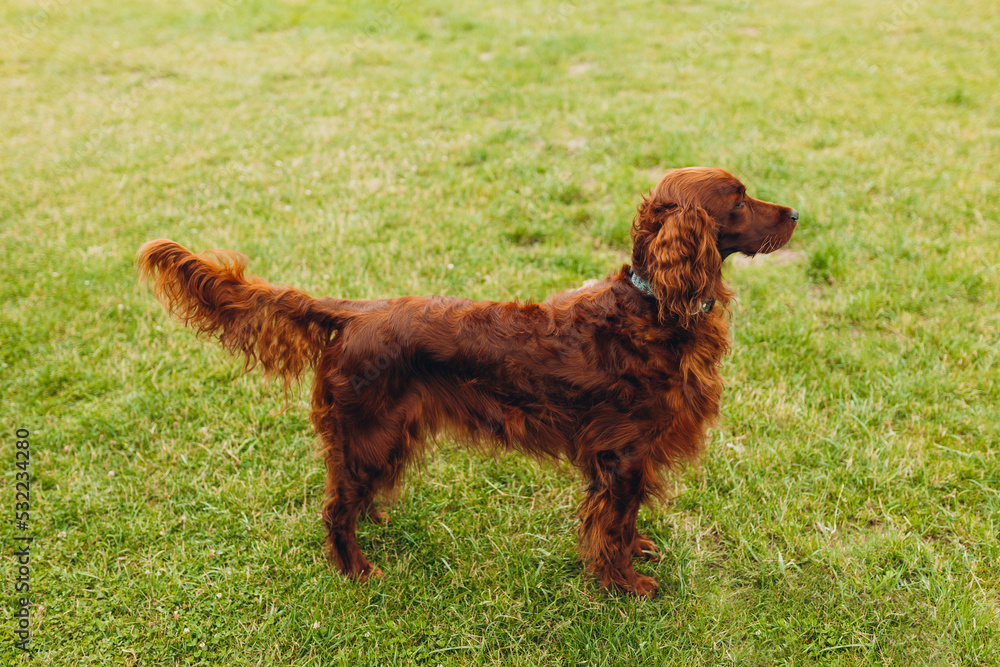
x: 620, y: 378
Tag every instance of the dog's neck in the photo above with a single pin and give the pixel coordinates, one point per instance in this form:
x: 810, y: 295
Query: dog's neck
x: 646, y: 288
x: 642, y: 284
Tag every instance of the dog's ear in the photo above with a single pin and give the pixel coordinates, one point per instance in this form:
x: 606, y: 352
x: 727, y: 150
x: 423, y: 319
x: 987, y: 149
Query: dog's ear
x: 674, y: 249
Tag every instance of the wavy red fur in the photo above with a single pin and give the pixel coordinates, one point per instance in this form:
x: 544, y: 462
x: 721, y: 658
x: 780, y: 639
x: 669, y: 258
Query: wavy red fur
x: 282, y: 329
x: 620, y: 383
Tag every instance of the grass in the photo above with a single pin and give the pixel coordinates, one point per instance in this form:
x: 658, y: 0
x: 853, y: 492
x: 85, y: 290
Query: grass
x: 846, y: 512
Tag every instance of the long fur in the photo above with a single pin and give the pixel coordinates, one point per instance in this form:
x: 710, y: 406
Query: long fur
x: 281, y: 329
x: 620, y: 383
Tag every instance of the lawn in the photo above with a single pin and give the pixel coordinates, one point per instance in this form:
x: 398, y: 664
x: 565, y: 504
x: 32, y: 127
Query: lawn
x: 846, y: 511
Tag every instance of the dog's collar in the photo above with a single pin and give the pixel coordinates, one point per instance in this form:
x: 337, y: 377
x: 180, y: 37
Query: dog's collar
x: 646, y: 288
x: 642, y: 284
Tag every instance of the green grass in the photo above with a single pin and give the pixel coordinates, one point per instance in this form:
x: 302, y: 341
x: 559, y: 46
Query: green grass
x: 846, y: 511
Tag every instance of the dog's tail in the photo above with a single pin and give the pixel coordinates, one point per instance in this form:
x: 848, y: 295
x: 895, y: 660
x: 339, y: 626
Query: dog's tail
x: 282, y: 329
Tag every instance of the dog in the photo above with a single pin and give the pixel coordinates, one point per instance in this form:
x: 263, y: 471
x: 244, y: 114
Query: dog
x: 620, y: 378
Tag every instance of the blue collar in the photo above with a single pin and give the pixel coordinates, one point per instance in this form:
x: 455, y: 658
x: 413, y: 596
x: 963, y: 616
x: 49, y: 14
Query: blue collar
x: 642, y: 284
x: 646, y: 288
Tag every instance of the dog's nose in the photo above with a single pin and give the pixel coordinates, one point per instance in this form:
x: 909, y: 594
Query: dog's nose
x: 795, y: 215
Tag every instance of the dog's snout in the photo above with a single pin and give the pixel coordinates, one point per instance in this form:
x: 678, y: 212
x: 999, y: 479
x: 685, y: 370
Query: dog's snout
x: 795, y: 215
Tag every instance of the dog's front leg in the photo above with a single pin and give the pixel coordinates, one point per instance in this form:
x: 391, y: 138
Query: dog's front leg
x: 618, y: 485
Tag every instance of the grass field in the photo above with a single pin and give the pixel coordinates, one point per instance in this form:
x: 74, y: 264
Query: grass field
x: 846, y: 511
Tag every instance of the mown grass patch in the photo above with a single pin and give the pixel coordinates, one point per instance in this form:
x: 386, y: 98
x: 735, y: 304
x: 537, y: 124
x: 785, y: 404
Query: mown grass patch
x: 845, y: 511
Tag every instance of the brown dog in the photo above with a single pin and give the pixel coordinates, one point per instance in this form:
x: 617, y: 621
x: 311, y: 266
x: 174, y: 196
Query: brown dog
x: 620, y: 378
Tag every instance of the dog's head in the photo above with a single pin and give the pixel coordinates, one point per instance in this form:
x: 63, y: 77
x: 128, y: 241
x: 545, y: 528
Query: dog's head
x: 692, y: 220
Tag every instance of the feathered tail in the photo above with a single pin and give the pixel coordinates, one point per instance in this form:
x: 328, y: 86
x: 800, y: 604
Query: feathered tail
x: 280, y: 328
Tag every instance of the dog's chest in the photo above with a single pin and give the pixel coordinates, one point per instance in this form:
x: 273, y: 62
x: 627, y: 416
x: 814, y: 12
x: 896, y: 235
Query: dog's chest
x: 688, y: 367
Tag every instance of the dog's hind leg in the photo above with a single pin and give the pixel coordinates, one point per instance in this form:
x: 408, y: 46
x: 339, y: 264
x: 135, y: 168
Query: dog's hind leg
x: 359, y: 464
x: 340, y: 516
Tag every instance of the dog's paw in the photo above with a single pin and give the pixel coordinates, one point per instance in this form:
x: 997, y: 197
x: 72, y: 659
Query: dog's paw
x: 644, y: 586
x: 644, y: 547
x: 378, y: 517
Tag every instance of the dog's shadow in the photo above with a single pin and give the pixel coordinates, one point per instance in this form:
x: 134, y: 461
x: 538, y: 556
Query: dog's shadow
x: 420, y: 546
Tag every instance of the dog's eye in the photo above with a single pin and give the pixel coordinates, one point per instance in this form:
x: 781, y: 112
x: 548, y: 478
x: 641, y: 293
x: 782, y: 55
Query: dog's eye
x: 740, y: 205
